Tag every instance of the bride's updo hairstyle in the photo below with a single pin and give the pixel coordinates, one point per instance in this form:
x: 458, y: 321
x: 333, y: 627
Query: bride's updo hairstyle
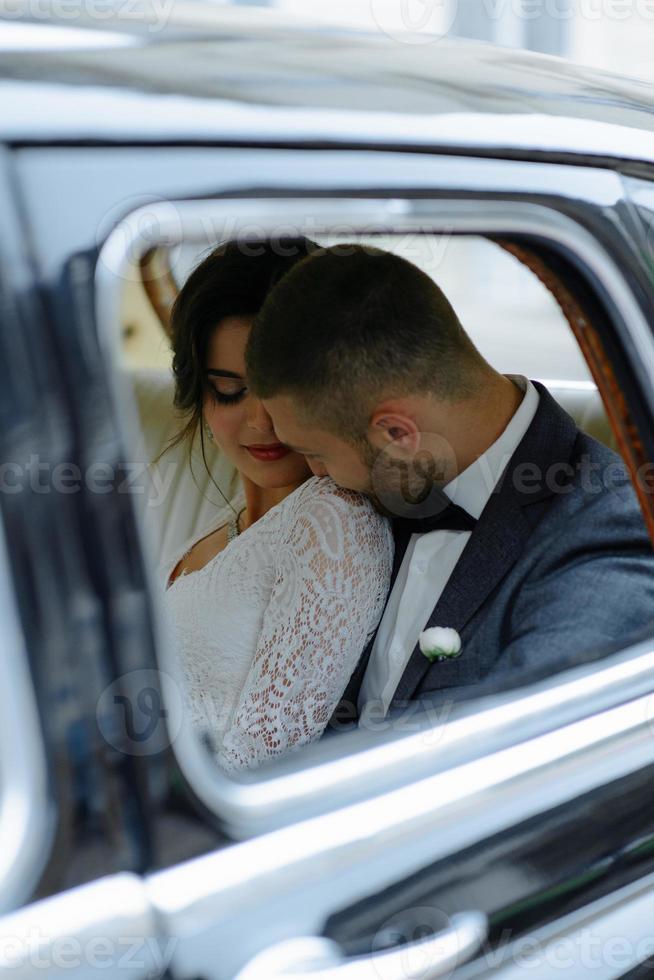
x: 233, y: 280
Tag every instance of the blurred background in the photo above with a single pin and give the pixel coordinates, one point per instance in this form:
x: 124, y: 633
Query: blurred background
x: 617, y: 35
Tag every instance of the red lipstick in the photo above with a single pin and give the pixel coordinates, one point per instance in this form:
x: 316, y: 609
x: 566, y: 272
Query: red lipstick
x: 268, y: 454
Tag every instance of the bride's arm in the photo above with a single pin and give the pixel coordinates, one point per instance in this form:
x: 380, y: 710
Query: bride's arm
x: 332, y: 573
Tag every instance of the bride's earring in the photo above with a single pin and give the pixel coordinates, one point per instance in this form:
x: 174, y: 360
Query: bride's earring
x: 207, y: 431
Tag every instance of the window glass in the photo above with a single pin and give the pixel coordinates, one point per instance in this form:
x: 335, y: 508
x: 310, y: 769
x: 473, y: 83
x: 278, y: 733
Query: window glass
x: 195, y: 501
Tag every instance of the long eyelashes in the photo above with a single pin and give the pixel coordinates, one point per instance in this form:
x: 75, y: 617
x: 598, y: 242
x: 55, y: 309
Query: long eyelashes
x: 223, y: 399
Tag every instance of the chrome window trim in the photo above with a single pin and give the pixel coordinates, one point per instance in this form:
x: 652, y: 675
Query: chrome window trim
x: 581, y: 936
x: 105, y: 926
x: 26, y: 817
x: 250, y: 807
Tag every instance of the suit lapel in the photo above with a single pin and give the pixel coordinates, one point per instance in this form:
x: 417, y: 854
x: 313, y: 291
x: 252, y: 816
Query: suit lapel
x: 494, y: 547
x: 497, y: 542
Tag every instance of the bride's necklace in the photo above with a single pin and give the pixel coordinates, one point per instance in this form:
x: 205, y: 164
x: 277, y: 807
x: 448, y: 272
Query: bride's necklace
x: 233, y: 530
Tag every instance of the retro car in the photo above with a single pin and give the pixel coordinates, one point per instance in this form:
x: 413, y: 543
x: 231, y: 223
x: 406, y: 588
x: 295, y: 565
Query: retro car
x: 512, y: 836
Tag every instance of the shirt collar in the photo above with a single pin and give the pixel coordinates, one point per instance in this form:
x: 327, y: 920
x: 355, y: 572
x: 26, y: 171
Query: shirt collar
x: 473, y: 487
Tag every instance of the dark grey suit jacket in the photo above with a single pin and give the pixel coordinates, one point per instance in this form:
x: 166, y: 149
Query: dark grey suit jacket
x: 558, y: 570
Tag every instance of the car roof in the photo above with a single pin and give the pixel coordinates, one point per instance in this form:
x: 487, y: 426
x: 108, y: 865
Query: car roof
x: 213, y: 74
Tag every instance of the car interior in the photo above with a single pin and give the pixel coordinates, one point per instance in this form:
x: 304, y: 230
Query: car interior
x: 527, y: 333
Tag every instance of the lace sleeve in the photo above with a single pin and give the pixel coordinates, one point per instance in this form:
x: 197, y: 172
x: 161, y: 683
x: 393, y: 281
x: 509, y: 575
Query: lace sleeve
x: 331, y: 578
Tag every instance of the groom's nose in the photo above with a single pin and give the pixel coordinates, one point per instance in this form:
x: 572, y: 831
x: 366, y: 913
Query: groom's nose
x: 257, y: 417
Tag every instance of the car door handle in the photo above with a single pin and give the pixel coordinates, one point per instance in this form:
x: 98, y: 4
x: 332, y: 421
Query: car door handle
x: 313, y: 958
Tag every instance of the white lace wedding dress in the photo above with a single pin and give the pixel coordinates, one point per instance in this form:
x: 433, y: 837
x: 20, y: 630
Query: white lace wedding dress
x: 269, y: 630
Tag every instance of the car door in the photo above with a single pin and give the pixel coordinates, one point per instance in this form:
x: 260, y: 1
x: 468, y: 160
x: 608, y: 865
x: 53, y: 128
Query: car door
x: 401, y: 838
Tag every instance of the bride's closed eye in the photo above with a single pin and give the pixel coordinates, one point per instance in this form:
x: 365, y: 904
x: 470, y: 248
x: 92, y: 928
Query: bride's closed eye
x: 227, y: 392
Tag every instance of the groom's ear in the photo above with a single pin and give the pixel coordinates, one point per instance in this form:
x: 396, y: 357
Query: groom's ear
x: 394, y: 429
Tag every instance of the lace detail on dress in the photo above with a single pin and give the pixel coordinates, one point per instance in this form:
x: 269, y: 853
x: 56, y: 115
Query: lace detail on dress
x: 271, y: 629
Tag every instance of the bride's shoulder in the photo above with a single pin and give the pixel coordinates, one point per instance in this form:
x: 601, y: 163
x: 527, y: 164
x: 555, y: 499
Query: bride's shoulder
x: 321, y: 490
x: 337, y: 521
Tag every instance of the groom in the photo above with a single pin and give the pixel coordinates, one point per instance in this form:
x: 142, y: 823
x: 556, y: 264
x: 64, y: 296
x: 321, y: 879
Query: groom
x: 511, y: 526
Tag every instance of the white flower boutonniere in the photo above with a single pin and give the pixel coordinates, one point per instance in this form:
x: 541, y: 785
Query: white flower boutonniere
x: 440, y: 643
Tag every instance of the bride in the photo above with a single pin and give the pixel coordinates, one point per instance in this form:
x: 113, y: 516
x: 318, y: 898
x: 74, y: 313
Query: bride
x: 270, y: 611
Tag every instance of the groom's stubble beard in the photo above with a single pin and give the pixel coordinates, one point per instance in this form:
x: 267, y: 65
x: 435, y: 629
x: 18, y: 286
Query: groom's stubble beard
x: 395, y: 484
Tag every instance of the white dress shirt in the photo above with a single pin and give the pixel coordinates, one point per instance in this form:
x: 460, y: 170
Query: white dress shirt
x: 430, y: 560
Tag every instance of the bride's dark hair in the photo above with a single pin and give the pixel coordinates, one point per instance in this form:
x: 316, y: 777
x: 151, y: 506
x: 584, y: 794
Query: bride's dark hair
x: 233, y: 280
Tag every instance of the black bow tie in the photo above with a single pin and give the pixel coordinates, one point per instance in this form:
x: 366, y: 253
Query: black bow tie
x: 437, y: 513
x: 450, y: 517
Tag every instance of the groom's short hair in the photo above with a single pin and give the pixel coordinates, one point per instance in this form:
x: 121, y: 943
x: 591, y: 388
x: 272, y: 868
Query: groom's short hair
x: 350, y: 325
